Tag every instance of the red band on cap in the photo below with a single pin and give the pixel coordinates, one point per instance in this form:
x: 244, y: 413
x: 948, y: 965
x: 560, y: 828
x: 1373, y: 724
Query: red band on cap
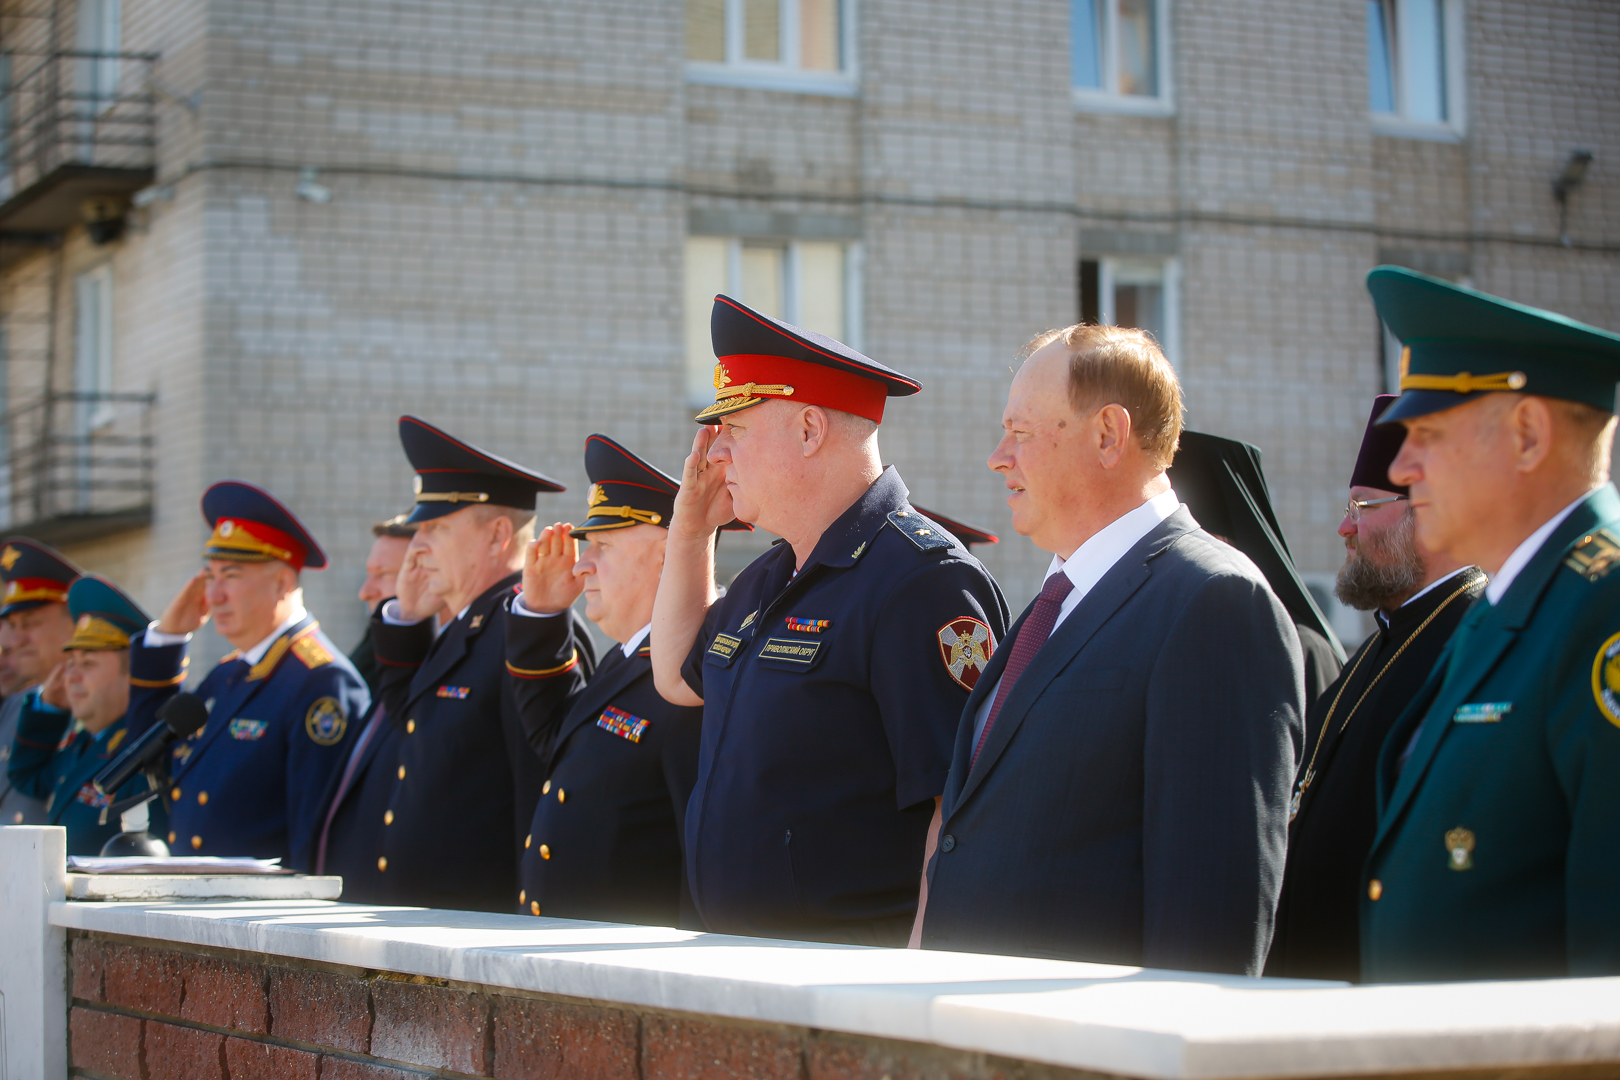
x: 813, y: 384
x: 21, y: 590
x: 256, y: 538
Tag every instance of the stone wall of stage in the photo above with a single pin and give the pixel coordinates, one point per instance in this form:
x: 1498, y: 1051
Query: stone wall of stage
x: 143, y: 1010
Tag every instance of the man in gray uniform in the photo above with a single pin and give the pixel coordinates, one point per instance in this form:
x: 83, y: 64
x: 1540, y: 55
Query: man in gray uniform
x: 34, y: 627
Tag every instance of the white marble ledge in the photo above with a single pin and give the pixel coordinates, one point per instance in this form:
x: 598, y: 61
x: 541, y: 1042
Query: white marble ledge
x: 1154, y: 1024
x: 202, y: 887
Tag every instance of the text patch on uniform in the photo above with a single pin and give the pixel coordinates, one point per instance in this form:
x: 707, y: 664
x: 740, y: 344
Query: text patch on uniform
x: 966, y: 645
x: 790, y: 651
x: 458, y: 692
x: 624, y: 725
x: 724, y: 647
x: 248, y: 730
x: 1485, y: 712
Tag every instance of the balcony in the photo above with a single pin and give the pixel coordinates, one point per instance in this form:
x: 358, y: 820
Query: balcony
x: 77, y: 466
x: 75, y: 127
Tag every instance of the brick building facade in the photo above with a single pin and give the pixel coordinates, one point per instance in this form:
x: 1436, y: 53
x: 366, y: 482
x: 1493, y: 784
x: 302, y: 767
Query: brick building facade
x: 504, y: 216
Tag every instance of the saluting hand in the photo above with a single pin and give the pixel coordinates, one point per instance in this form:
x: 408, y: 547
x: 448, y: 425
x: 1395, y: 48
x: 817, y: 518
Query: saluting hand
x: 189, y: 608
x: 549, y: 584
x: 411, y: 587
x: 54, y: 690
x: 704, y: 501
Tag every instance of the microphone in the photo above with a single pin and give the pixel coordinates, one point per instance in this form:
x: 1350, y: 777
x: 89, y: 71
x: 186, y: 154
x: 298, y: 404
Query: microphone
x: 181, y: 715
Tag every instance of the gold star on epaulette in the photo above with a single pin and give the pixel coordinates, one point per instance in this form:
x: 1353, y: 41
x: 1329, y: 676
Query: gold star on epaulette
x: 311, y: 652
x: 1596, y: 555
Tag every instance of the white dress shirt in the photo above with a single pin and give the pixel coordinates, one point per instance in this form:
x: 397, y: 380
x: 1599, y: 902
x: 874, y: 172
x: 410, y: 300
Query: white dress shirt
x: 1525, y: 552
x: 1089, y: 563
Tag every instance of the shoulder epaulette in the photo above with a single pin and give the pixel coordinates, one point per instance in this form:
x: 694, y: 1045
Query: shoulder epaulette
x: 920, y: 531
x: 311, y: 652
x: 1595, y: 555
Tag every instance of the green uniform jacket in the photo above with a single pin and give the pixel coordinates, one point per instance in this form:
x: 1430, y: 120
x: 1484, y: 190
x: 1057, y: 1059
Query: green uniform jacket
x: 1498, y: 846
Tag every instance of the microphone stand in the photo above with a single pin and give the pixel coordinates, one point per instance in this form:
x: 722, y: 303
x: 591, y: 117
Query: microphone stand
x: 134, y: 819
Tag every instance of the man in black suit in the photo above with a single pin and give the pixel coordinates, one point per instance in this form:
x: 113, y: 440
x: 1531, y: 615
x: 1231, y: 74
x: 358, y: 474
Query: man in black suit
x: 387, y: 555
x: 1119, y: 788
x: 452, y: 780
x: 1417, y: 598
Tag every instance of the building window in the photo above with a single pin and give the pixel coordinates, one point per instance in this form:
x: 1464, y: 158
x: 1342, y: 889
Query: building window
x: 93, y: 347
x: 809, y: 283
x: 1119, y: 55
x: 100, y: 33
x: 802, y: 46
x: 1142, y: 293
x: 1414, y: 68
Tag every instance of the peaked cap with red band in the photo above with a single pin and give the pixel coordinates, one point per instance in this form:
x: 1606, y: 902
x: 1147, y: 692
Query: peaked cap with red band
x: 627, y: 491
x: 968, y: 534
x: 34, y: 574
x: 761, y: 358
x: 251, y: 526
x: 452, y: 475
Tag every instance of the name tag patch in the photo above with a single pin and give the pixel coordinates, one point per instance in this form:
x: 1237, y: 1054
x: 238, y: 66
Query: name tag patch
x: 622, y: 724
x: 790, y: 651
x: 724, y: 648
x: 248, y: 730
x: 1486, y: 712
x: 458, y: 692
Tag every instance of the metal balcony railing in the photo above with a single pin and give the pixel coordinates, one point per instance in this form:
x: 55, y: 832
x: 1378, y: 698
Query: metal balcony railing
x: 77, y: 111
x: 76, y: 466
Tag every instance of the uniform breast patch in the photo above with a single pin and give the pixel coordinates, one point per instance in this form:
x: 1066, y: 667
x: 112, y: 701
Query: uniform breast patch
x: 249, y: 730
x: 790, y: 651
x: 458, y: 692
x: 1606, y: 679
x: 623, y: 724
x: 91, y: 797
x: 807, y: 626
x: 966, y: 645
x: 724, y: 647
x: 325, y: 722
x: 1485, y: 712
x: 1596, y: 555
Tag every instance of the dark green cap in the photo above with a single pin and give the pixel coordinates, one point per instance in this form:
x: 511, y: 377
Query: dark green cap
x: 1458, y: 344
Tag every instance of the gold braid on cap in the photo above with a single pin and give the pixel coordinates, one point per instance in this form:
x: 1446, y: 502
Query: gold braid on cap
x: 453, y: 496
x: 1464, y: 382
x: 96, y: 635
x: 647, y: 516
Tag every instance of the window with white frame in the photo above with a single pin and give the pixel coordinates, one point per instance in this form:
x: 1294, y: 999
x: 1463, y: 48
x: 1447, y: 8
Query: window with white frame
x: 1119, y: 55
x: 809, y: 283
x: 100, y: 30
x: 1136, y: 292
x: 93, y: 345
x: 795, y: 45
x: 1414, y: 65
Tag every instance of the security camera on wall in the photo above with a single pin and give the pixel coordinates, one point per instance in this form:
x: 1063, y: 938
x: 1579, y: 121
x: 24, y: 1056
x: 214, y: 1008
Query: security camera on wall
x: 103, y: 219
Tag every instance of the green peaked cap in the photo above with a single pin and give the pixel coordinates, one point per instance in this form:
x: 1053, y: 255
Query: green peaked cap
x: 1459, y: 344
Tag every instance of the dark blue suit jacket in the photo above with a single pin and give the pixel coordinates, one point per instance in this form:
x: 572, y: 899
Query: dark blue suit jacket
x: 1130, y: 805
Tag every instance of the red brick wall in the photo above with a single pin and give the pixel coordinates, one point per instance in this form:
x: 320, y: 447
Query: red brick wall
x: 154, y: 1011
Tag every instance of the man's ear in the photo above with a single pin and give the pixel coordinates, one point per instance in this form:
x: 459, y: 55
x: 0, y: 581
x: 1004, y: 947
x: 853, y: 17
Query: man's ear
x: 1530, y: 425
x: 1113, y: 430
x: 814, y: 427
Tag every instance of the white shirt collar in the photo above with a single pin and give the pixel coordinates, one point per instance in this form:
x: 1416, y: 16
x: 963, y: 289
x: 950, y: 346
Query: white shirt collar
x: 255, y: 654
x: 1436, y: 583
x: 1097, y: 556
x: 635, y: 641
x: 1503, y: 578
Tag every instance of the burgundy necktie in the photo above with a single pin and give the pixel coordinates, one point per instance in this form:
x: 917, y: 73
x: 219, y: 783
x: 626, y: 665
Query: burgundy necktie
x: 1031, y: 636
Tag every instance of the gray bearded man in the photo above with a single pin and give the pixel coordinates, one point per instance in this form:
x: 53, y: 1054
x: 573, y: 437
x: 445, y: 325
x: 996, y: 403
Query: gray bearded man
x: 1417, y: 600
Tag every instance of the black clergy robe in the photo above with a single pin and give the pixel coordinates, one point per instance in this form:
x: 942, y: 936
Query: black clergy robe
x: 1317, y: 932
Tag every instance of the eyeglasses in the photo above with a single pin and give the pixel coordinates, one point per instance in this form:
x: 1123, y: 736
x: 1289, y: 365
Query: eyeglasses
x: 1354, y: 507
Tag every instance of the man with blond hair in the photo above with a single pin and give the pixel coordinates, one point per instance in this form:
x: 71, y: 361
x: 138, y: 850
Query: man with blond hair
x: 832, y: 671
x: 1119, y: 789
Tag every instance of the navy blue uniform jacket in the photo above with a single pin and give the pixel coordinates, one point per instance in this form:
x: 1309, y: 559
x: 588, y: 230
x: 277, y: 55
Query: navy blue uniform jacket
x: 1130, y: 805
x: 829, y: 703
x: 54, y: 763
x: 605, y: 841
x: 464, y: 780
x: 249, y: 781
